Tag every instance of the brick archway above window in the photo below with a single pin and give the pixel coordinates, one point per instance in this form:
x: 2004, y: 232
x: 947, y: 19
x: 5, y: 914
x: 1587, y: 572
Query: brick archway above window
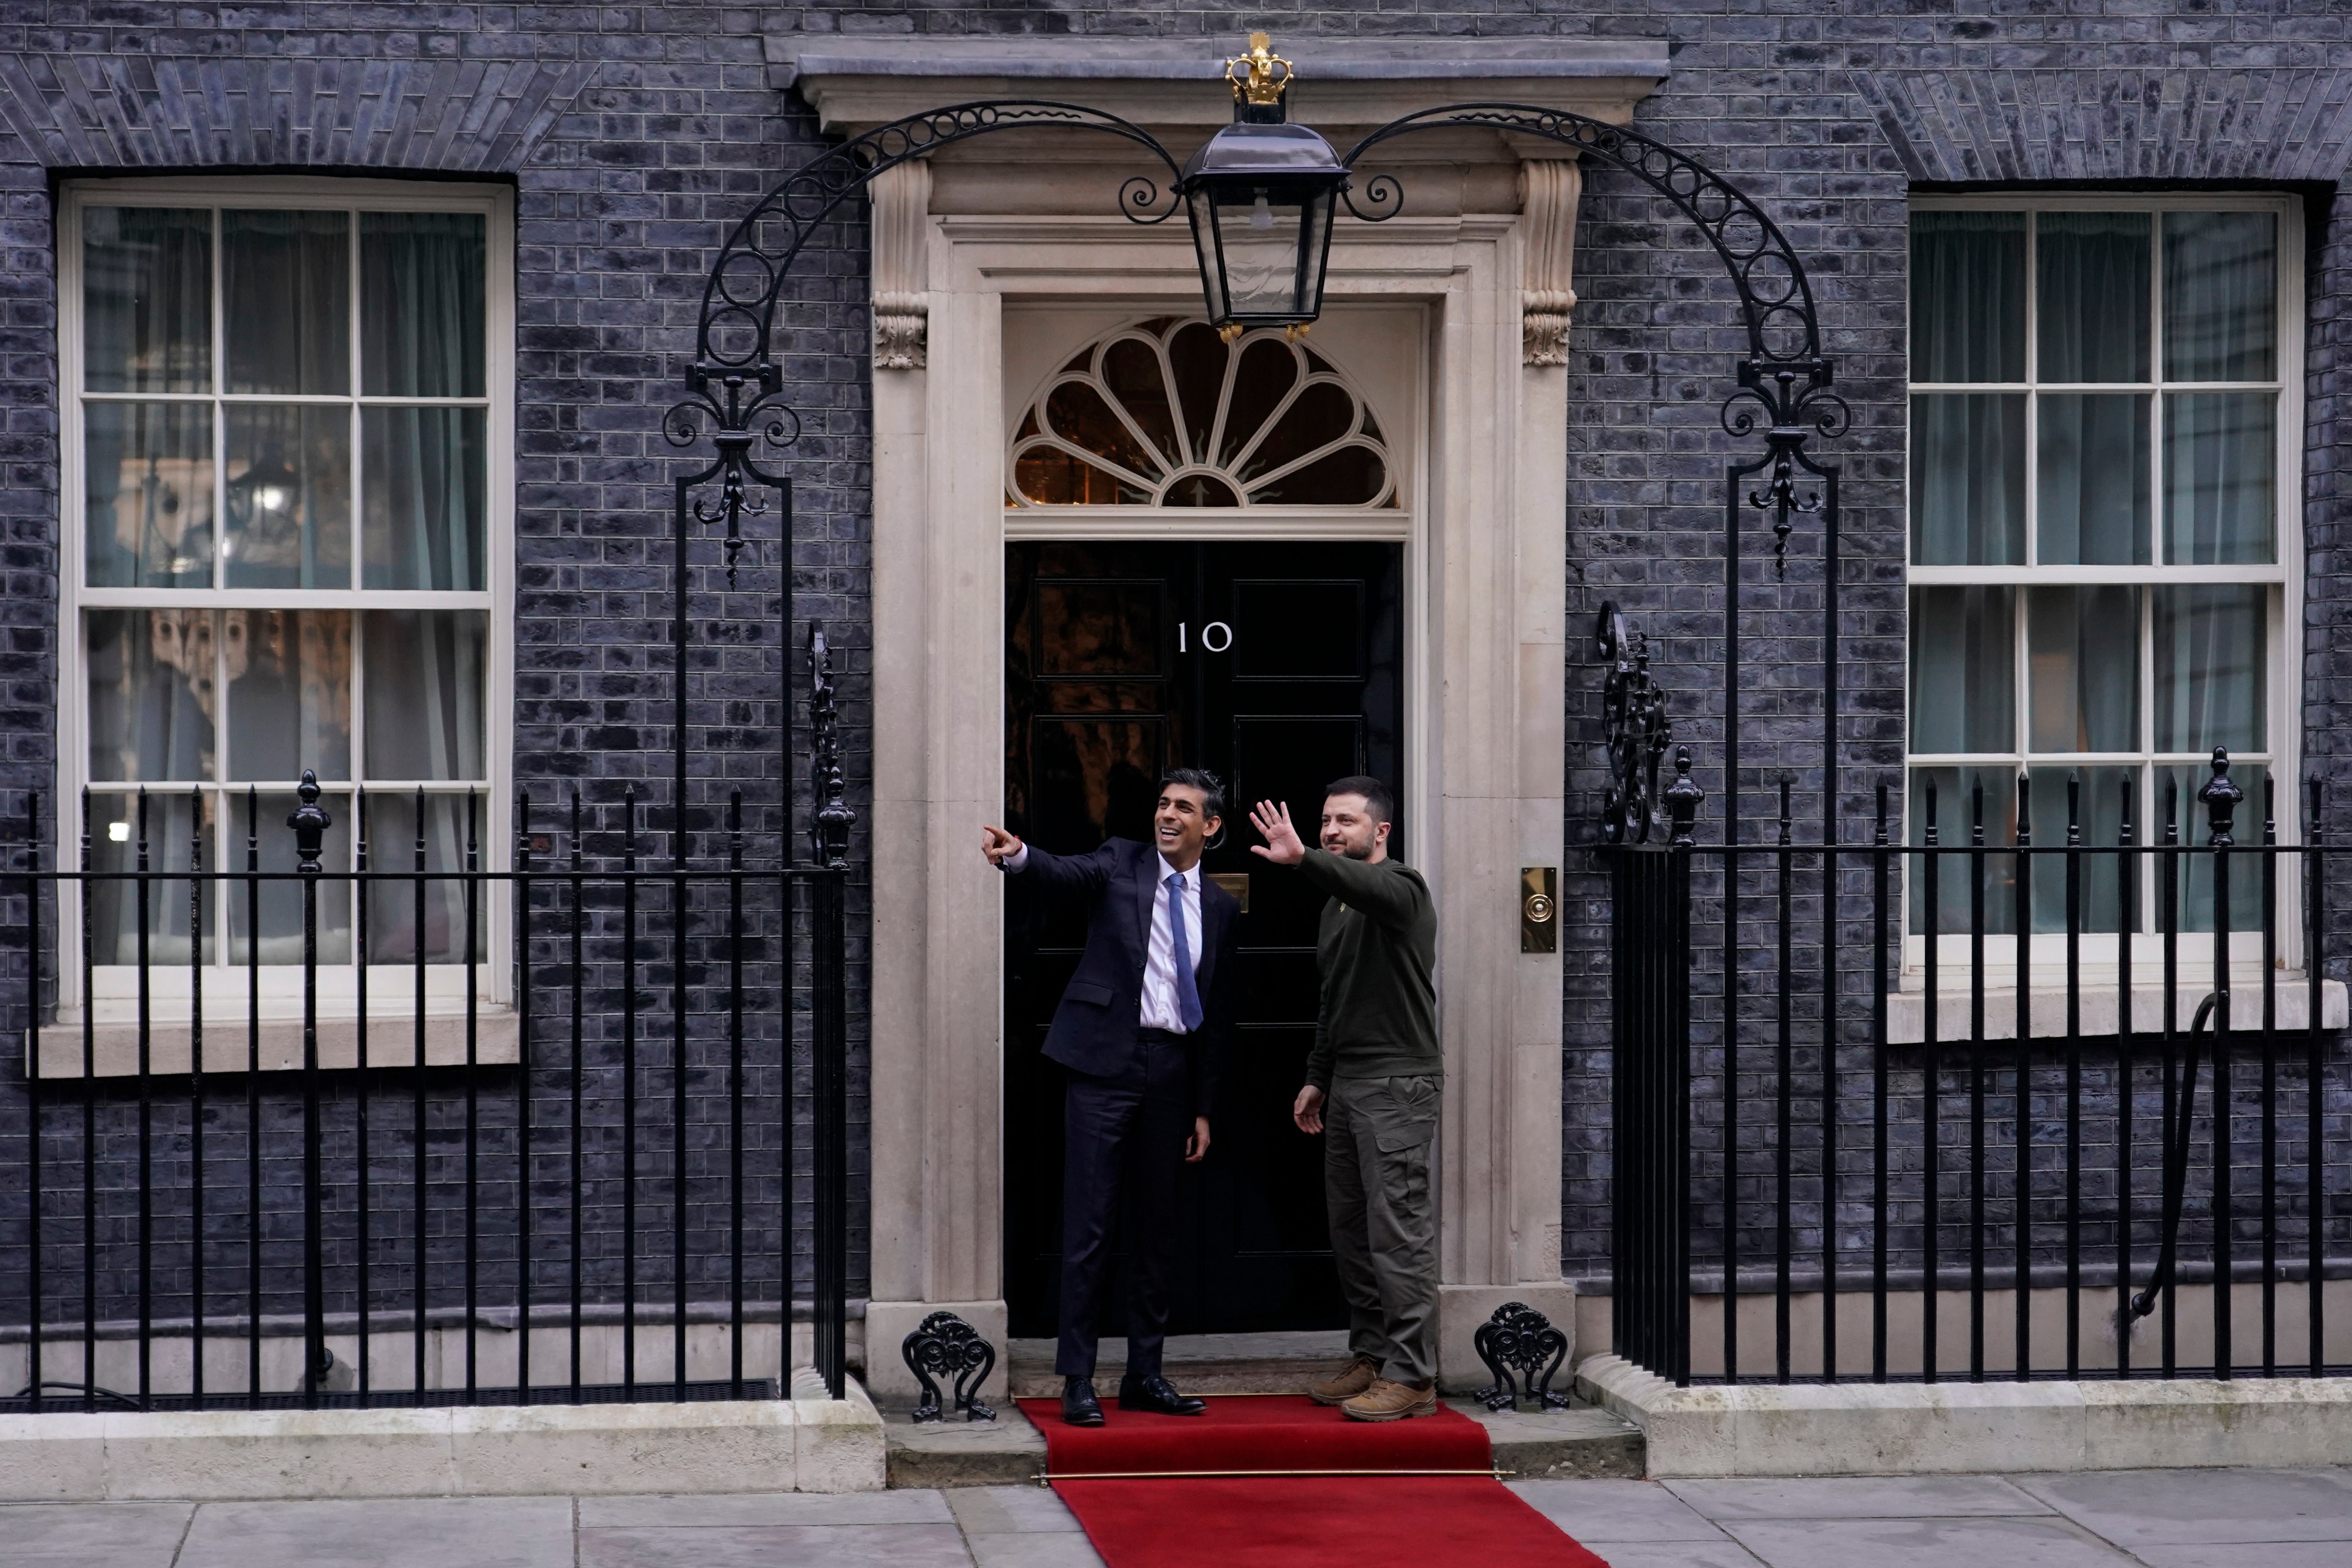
x: 138, y: 111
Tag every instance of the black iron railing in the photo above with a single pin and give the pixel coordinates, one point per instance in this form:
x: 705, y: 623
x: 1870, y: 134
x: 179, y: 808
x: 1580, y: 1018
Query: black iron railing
x: 610, y: 1206
x: 2068, y: 1114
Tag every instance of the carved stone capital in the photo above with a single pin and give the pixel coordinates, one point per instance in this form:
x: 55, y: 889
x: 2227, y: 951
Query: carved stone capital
x: 1548, y: 189
x: 902, y: 205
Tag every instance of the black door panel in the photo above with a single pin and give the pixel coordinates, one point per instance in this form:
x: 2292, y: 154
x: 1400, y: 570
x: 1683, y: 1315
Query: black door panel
x: 1276, y: 666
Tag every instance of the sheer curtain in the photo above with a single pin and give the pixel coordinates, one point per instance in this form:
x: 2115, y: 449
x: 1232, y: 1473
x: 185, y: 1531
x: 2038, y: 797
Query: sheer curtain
x: 1968, y: 449
x: 422, y: 526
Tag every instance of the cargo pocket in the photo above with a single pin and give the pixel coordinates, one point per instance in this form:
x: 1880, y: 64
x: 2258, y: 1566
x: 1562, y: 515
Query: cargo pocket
x: 1408, y: 1117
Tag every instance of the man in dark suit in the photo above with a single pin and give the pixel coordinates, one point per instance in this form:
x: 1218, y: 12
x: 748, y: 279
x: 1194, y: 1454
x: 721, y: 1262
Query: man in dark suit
x: 1140, y: 1027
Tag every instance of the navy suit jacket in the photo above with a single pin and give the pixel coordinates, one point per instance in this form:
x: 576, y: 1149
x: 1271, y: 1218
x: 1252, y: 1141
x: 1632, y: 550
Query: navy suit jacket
x: 1095, y: 1027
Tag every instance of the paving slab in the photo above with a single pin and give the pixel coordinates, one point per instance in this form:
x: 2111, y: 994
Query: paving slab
x: 1010, y: 1510
x: 93, y: 1534
x: 387, y: 1532
x: 1616, y: 1510
x: 764, y: 1509
x: 1924, y: 1543
x: 1034, y: 1551
x: 2254, y: 1554
x: 2137, y: 1507
x: 1857, y: 1496
x: 800, y: 1546
x: 1720, y: 1552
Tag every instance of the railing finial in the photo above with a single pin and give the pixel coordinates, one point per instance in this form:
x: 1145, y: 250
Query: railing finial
x: 310, y: 822
x: 1682, y: 797
x: 2220, y: 797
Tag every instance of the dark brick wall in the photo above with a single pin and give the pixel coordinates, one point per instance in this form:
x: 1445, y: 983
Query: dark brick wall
x: 632, y: 133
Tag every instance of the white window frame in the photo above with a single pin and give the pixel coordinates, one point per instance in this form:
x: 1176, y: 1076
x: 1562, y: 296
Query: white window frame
x: 2099, y: 951
x: 390, y: 986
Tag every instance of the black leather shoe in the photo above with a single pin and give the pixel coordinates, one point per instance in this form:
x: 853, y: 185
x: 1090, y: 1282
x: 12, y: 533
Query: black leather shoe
x: 1155, y: 1394
x: 1079, y: 1406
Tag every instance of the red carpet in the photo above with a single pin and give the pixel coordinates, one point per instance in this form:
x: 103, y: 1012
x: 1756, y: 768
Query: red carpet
x: 1172, y: 1516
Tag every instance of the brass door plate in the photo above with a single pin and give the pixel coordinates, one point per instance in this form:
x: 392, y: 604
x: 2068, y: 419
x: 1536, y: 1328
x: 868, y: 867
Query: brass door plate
x: 1538, y: 909
x: 1233, y: 882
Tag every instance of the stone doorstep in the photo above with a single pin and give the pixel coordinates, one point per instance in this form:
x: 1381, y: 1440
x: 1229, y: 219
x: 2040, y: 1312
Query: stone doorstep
x: 1911, y: 1428
x: 1010, y: 1451
x: 807, y: 1443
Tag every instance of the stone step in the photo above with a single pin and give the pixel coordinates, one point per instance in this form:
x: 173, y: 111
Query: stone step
x: 1578, y: 1443
x: 1582, y: 1441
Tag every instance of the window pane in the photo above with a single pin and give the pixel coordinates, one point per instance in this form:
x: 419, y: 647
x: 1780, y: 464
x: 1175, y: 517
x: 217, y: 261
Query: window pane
x: 279, y: 904
x: 2211, y: 680
x: 2220, y: 296
x: 2092, y: 314
x: 425, y: 672
x: 152, y: 699
x: 1968, y: 480
x: 172, y: 823
x: 2082, y: 669
x: 2098, y: 816
x: 1963, y: 656
x: 1968, y: 297
x: 396, y: 909
x: 424, y: 498
x: 285, y: 292
x: 1962, y: 799
x: 147, y: 493
x: 289, y: 693
x: 2195, y: 901
x: 2220, y: 476
x: 290, y: 496
x: 147, y: 300
x: 421, y: 323
x: 2092, y: 490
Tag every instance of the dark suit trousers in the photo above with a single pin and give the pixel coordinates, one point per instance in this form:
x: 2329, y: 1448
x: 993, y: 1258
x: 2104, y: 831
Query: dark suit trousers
x: 1122, y: 1136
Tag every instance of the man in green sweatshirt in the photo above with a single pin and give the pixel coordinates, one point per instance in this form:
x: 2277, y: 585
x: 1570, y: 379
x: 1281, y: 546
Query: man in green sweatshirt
x: 1372, y: 1086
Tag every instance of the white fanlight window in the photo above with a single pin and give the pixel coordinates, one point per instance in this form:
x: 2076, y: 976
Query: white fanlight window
x: 288, y: 438
x: 1168, y: 413
x: 2106, y: 452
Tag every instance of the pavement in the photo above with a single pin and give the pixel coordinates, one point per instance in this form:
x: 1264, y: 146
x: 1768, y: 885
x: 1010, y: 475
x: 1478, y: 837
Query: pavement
x: 2110, y: 1518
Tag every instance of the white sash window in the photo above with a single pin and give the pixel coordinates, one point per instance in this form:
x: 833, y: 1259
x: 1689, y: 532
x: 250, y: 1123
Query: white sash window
x: 288, y: 433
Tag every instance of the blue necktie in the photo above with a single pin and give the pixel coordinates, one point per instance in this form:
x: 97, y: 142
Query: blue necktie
x: 1187, y: 991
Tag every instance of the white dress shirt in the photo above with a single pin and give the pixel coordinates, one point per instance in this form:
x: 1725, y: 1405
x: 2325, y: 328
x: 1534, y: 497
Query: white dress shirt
x: 1160, y: 1008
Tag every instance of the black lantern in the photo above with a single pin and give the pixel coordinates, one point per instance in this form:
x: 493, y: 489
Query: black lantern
x: 1260, y: 195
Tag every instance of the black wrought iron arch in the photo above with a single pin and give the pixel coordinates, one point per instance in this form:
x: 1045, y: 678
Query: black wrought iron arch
x: 748, y: 279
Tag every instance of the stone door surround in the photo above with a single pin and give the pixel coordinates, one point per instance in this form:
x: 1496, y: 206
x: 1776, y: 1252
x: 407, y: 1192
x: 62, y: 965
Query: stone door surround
x: 1025, y: 219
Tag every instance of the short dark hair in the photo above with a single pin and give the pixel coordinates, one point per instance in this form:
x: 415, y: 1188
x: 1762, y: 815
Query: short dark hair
x: 1212, y: 787
x: 1378, y: 796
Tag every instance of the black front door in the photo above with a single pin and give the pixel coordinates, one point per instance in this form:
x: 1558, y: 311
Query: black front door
x: 1277, y: 667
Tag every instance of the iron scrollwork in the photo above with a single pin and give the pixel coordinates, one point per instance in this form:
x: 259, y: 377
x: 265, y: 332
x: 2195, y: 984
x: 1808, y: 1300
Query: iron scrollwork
x: 1514, y: 1343
x: 1784, y: 381
x: 1637, y: 733
x: 944, y: 1348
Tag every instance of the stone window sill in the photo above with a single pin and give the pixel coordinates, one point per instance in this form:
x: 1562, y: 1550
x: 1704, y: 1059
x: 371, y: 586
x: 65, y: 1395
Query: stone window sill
x: 1906, y: 1011
x: 229, y: 1044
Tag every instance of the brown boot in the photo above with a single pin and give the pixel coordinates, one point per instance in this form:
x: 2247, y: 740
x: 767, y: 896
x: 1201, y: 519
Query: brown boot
x: 1350, y: 1381
x: 1387, y: 1401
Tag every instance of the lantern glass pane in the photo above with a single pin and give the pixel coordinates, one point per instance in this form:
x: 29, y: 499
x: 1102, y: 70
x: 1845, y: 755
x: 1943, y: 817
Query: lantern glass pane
x: 1261, y: 235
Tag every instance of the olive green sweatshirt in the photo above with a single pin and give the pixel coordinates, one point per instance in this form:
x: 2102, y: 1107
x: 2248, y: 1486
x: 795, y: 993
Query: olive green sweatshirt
x: 1377, y: 953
